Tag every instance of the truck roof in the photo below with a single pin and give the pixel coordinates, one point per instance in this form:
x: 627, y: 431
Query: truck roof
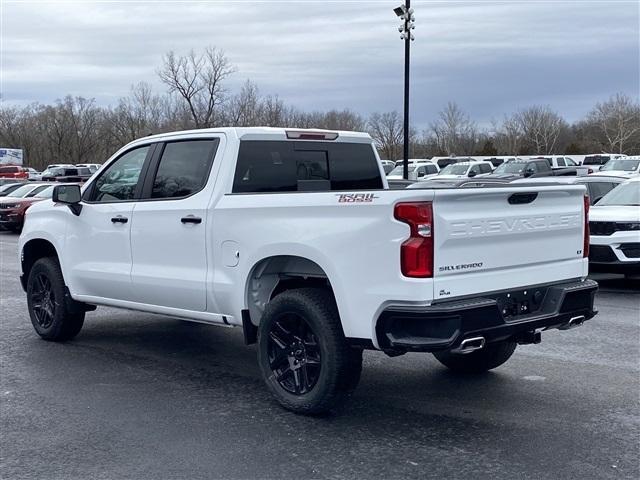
x: 266, y: 133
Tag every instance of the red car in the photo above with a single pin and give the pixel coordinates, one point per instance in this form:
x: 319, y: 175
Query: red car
x: 13, y: 171
x: 12, y: 209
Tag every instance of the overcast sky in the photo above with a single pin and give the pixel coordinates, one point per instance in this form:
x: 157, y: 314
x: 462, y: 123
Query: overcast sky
x: 489, y: 57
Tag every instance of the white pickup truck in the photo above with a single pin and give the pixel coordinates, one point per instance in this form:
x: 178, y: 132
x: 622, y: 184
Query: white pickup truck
x: 294, y: 236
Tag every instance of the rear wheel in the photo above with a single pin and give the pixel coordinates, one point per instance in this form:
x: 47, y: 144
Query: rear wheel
x: 491, y: 356
x: 49, y: 312
x: 303, y: 355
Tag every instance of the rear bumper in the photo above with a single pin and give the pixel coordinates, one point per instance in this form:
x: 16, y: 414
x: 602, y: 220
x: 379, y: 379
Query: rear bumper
x: 497, y: 316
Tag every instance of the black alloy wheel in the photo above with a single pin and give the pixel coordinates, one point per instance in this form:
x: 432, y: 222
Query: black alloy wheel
x: 43, y: 301
x: 294, y: 354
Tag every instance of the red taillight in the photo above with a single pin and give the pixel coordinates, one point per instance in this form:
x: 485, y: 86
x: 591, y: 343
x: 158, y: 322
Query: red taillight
x: 416, y: 253
x: 585, y: 248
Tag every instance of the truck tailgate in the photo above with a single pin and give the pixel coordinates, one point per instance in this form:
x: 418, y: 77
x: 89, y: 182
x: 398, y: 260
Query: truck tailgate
x: 490, y: 239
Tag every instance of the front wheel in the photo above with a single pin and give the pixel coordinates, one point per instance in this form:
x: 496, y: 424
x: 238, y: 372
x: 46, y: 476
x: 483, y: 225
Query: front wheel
x: 303, y: 354
x: 50, y: 315
x: 491, y: 356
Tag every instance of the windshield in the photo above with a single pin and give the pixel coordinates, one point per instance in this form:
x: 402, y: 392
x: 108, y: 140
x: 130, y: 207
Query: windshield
x: 510, y: 167
x: 22, y: 191
x: 621, y: 164
x: 399, y: 170
x: 46, y: 193
x: 454, y: 169
x: 627, y: 194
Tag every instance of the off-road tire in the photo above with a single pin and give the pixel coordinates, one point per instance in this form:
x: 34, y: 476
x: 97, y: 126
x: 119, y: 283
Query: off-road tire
x: 340, y: 364
x: 62, y: 324
x: 491, y: 356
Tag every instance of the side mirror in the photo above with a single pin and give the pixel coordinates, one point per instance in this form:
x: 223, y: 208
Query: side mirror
x: 528, y: 172
x: 69, y: 195
x: 472, y: 173
x: 421, y: 174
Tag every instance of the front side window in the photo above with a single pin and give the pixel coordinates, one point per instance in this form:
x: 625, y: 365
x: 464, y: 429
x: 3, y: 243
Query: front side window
x: 118, y: 182
x: 561, y: 162
x: 184, y: 168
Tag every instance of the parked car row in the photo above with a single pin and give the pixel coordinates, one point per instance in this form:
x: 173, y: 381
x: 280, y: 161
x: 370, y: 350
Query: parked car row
x: 57, y: 172
x: 618, y: 163
x: 17, y: 198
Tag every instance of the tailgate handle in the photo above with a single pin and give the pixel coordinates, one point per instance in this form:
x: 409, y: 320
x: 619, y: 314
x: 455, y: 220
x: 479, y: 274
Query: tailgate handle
x: 522, y: 198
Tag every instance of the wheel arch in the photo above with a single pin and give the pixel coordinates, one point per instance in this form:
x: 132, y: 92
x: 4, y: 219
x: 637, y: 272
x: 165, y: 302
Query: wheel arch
x: 278, y: 273
x: 31, y: 252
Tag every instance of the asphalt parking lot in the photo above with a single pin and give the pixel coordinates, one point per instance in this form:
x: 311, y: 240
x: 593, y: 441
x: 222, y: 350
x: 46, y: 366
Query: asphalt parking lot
x: 142, y: 396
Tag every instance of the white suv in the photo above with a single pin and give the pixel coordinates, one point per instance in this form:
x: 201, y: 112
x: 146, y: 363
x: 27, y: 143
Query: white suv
x: 465, y: 169
x: 614, y: 222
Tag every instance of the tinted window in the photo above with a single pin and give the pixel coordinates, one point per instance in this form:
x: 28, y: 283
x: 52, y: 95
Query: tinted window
x: 184, y: 168
x: 277, y: 166
x: 600, y: 189
x: 561, y: 162
x: 484, y: 168
x: 443, y: 162
x: 9, y: 170
x: 431, y: 169
x: 595, y: 160
x: 118, y: 182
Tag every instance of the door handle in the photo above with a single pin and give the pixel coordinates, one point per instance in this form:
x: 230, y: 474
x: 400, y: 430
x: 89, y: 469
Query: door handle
x: 119, y: 219
x: 191, y: 219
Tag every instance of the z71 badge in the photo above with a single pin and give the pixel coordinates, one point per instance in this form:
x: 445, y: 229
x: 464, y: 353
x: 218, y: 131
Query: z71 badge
x: 356, y: 197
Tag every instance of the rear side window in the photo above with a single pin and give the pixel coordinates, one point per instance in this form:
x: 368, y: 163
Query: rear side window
x: 184, y: 168
x: 281, y: 166
x: 484, y: 168
x: 431, y: 169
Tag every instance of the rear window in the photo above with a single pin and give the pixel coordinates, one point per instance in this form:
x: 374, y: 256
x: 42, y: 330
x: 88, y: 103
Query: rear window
x: 595, y: 160
x: 9, y: 169
x: 277, y: 166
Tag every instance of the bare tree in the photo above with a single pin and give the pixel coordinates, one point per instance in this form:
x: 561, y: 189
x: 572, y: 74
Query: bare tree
x: 507, y: 136
x: 541, y: 128
x: 386, y: 130
x: 199, y: 80
x: 454, y: 131
x: 618, y: 120
x: 245, y: 108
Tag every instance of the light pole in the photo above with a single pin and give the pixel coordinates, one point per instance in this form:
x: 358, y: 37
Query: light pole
x: 405, y: 12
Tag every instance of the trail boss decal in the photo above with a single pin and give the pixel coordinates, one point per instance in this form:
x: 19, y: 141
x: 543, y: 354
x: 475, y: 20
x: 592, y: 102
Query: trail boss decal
x: 356, y: 197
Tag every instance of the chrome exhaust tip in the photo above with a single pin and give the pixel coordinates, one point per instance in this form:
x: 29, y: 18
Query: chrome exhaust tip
x: 469, y: 345
x: 573, y: 323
